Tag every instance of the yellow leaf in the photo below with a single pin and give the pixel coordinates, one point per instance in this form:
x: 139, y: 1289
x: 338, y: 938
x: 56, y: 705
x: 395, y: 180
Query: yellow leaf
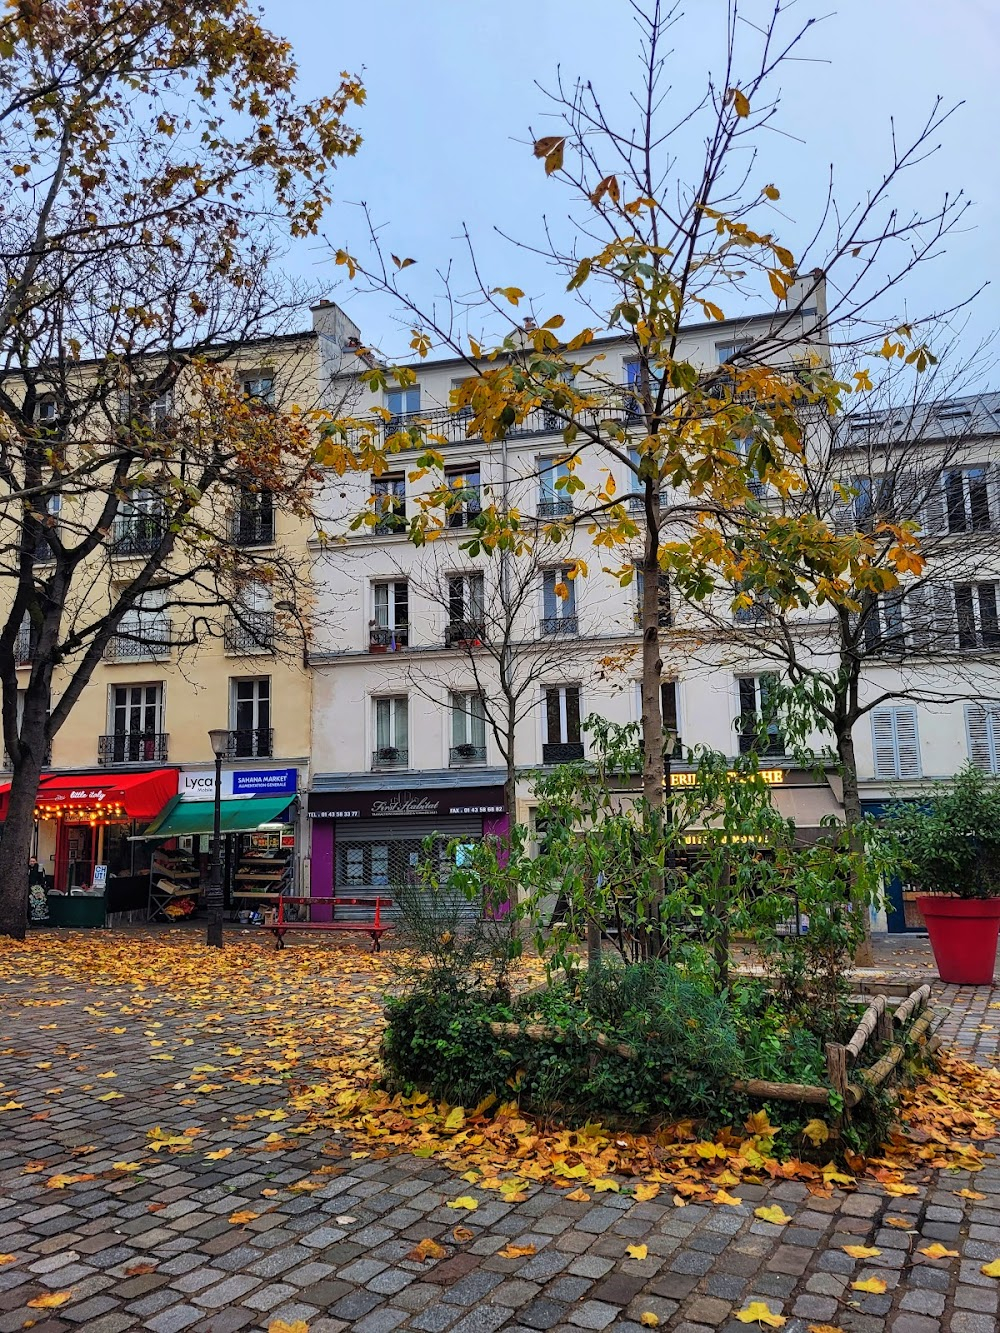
x: 897, y: 1189
x: 759, y: 1126
x: 757, y: 1312
x: 730, y: 1199
x: 516, y: 1251
x: 861, y: 1251
x: 280, y: 1326
x: 646, y: 1192
x: 874, y: 1285
x: 456, y: 1118
x: 648, y: 1319
x: 824, y: 1328
x: 7, y: 1259
x: 992, y: 1269
x: 110, y: 1096
x: 771, y: 192
x: 218, y: 1155
x: 636, y: 1251
x: 127, y: 1166
x: 901, y: 1222
x: 426, y: 1249
x: 269, y: 1194
x: 551, y: 149
x: 462, y: 1234
x: 240, y: 1218
x: 742, y: 110
x: 579, y: 1196
x: 939, y: 1251
x: 50, y: 1301
x: 816, y: 1132
x: 969, y: 1194
x: 466, y: 1201
x: 604, y: 1185
x: 773, y: 1214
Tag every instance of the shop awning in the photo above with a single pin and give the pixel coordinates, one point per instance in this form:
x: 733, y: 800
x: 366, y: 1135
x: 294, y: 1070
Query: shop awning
x: 101, y: 795
x: 182, y: 818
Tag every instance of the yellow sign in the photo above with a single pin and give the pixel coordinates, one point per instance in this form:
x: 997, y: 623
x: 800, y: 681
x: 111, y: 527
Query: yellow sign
x: 774, y: 777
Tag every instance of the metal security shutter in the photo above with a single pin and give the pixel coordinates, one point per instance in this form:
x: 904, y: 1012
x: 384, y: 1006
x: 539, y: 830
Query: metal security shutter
x: 373, y: 855
x: 982, y: 725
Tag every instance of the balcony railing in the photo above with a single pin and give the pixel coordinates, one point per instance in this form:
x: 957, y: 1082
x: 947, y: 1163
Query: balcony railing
x: 387, y: 639
x: 8, y: 765
x: 558, y: 508
x: 464, y: 634
x: 562, y: 752
x: 250, y: 527
x: 251, y: 743
x: 132, y: 747
x: 751, y: 742
x: 467, y: 754
x: 559, y: 625
x: 251, y: 632
x: 390, y: 756
x: 137, y: 534
x: 147, y: 640
x: 24, y: 646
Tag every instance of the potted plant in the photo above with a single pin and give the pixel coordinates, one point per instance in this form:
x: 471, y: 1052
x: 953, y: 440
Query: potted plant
x: 949, y: 846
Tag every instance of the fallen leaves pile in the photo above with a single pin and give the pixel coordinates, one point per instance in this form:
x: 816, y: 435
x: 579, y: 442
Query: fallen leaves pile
x: 305, y: 1022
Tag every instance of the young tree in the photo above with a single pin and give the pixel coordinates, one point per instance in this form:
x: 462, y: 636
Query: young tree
x: 159, y: 152
x: 676, y: 225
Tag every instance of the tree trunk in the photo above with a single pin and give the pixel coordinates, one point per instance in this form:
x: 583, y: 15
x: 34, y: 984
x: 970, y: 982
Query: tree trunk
x: 864, y: 956
x: 653, y: 767
x: 15, y: 845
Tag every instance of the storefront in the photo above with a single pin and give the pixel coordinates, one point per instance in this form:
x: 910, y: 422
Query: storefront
x: 258, y: 822
x: 86, y: 839
x: 367, y: 839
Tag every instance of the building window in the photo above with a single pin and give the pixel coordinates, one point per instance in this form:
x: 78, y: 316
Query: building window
x: 982, y: 727
x: 258, y: 386
x: 144, y: 630
x: 976, y: 609
x: 253, y: 518
x: 728, y: 351
x: 19, y: 719
x: 558, y: 602
x: 250, y: 628
x: 391, y: 744
x: 967, y: 500
x: 563, y: 741
x: 466, y: 610
x: 46, y: 411
x: 664, y: 615
x: 464, y: 482
x: 135, y: 733
x: 759, y: 732
x: 390, y: 502
x: 390, y: 626
x: 670, y: 705
x: 49, y: 526
x: 468, y: 728
x: 402, y: 403
x: 251, y: 735
x: 138, y: 526
x: 554, y: 500
x: 895, y: 742
x: 883, y: 630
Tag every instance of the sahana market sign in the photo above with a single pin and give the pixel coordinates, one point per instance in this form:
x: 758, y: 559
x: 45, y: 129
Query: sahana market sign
x: 198, y: 784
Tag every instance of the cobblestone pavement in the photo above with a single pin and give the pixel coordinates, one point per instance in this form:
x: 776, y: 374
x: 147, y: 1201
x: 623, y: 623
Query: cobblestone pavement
x: 155, y: 1248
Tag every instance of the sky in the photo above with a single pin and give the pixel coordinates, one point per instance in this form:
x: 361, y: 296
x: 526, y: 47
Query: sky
x: 453, y: 104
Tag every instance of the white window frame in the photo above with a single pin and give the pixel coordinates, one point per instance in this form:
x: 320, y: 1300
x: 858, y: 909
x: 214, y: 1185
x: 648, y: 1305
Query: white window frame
x: 468, y: 718
x: 971, y: 506
x: 126, y: 707
x: 900, y: 730
x: 256, y: 682
x: 551, y: 469
x: 986, y: 636
x: 258, y: 385
x: 563, y: 738
x: 397, y: 708
x: 406, y: 407
x: 555, y: 608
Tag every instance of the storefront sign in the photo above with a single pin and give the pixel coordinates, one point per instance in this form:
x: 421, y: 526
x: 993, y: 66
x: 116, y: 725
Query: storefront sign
x: 406, y: 804
x: 198, y: 784
x: 773, y: 777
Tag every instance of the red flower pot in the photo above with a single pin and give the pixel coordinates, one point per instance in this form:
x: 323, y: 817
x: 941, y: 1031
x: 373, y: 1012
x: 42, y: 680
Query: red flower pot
x: 963, y: 934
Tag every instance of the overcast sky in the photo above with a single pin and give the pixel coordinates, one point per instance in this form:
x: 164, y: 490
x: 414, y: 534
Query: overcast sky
x: 452, y: 93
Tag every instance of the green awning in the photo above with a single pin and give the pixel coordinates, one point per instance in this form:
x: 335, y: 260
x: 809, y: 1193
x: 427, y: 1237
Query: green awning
x: 182, y: 818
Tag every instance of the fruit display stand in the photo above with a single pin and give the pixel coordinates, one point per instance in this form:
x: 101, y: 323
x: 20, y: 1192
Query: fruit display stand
x: 174, y: 886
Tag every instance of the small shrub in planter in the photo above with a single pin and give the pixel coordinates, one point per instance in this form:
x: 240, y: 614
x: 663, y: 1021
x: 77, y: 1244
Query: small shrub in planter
x: 949, y: 847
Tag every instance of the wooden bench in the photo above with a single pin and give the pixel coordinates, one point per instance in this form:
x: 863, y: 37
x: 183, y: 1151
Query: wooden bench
x: 375, y: 927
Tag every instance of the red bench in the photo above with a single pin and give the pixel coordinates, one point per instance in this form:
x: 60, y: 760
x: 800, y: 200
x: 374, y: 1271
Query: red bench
x: 376, y: 928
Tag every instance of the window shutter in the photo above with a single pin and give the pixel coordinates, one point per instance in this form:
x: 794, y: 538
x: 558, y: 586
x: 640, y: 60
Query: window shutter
x: 884, y: 744
x: 907, y: 744
x: 842, y: 518
x: 932, y: 518
x: 945, y: 619
x: 982, y: 724
x: 919, y: 614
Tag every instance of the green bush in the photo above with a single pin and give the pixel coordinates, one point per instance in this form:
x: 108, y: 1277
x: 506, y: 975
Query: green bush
x: 950, y: 843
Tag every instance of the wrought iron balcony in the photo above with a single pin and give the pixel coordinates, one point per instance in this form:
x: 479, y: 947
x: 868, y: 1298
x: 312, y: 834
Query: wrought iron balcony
x: 142, y: 640
x: 559, y: 625
x: 252, y: 527
x: 387, y: 638
x: 137, y: 534
x: 751, y: 742
x: 132, y: 747
x: 390, y: 756
x: 556, y: 508
x: 8, y: 765
x: 562, y: 752
x: 250, y: 632
x: 24, y: 646
x: 464, y: 634
x: 251, y: 743
x: 467, y: 754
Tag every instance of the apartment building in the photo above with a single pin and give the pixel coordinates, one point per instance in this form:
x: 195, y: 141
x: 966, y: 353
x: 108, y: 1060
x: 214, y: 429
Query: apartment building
x: 134, y: 758
x: 406, y: 700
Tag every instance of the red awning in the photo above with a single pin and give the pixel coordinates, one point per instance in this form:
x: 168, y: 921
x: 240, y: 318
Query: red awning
x: 101, y: 795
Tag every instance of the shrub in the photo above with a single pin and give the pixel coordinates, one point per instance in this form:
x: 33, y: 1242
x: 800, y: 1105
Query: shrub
x: 950, y: 843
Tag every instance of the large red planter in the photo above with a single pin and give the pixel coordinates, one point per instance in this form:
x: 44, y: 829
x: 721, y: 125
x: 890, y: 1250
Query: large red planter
x: 963, y: 935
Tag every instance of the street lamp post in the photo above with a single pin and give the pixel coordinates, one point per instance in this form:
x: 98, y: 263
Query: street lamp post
x: 219, y: 737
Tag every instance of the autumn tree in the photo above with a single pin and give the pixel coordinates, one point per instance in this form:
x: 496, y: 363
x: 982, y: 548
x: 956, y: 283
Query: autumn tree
x: 160, y: 154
